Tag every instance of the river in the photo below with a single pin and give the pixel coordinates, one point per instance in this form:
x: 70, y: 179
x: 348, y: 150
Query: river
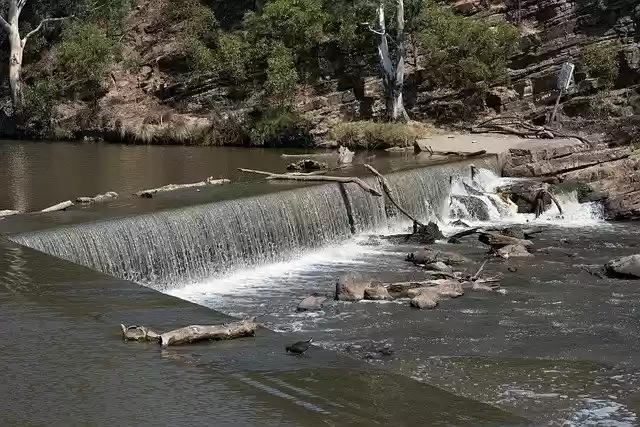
x: 557, y: 345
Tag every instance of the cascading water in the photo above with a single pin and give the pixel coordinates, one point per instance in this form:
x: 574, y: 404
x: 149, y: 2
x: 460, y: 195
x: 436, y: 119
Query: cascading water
x: 173, y: 248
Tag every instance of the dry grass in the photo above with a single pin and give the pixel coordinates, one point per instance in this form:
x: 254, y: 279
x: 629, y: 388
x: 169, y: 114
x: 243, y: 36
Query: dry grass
x: 379, y: 135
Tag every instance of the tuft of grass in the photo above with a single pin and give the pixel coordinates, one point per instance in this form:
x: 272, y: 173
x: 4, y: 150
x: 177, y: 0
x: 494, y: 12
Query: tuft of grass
x: 378, y: 135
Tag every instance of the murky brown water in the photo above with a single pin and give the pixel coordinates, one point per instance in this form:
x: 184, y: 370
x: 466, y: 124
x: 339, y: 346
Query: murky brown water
x: 63, y: 359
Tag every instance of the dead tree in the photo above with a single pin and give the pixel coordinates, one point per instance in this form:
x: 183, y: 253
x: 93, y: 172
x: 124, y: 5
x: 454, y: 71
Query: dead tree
x: 392, y: 75
x: 16, y: 46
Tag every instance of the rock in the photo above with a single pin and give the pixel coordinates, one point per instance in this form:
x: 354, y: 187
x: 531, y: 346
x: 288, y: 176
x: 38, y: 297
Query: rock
x: 429, y: 256
x: 426, y: 299
x: 450, y: 288
x: 438, y: 266
x: 514, y: 231
x: 499, y: 97
x: 498, y: 240
x: 377, y: 292
x: 307, y: 165
x: 485, y: 287
x: 312, y: 303
x: 624, y: 267
x: 474, y: 206
x: 345, y: 156
x: 350, y: 288
x: 468, y: 7
x: 514, y: 251
x: 427, y: 234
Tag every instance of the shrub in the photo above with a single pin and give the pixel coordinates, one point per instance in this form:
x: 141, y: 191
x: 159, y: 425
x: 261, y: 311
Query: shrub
x: 601, y: 60
x: 377, y: 135
x: 460, y: 52
x: 193, y: 18
x: 85, y: 55
x: 39, y: 106
x: 282, y: 78
x: 232, y: 54
x: 280, y: 127
x: 199, y: 58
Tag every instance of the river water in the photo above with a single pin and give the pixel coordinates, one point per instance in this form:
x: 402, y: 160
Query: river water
x: 557, y: 345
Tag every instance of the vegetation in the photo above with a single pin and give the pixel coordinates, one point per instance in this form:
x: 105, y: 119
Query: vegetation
x: 600, y: 60
x: 377, y: 135
x: 272, y: 51
x: 461, y: 52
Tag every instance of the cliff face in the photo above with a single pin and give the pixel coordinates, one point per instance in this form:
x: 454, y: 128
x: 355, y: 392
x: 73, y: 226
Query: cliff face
x: 554, y: 31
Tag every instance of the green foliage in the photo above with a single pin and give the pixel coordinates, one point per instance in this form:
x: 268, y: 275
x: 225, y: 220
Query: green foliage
x: 85, y: 55
x: 108, y: 14
x: 460, y: 52
x: 601, y: 60
x: 232, y: 55
x: 375, y: 135
x: 282, y: 77
x: 199, y: 57
x: 39, y: 106
x: 295, y: 23
x: 193, y: 18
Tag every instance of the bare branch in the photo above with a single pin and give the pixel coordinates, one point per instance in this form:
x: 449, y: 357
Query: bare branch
x: 39, y: 27
x: 4, y: 24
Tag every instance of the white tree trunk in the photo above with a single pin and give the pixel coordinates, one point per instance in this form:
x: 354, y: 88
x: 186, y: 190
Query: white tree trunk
x: 15, y: 69
x: 16, y: 46
x: 392, y: 77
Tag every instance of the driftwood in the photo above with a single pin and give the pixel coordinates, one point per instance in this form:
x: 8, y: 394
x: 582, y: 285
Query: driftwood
x: 109, y: 195
x: 308, y: 155
x: 173, y: 187
x: 138, y: 333
x: 194, y: 333
x: 497, y: 240
x: 456, y: 237
x: 8, y: 212
x: 505, y: 125
x: 320, y: 178
x: 385, y: 187
x: 59, y: 207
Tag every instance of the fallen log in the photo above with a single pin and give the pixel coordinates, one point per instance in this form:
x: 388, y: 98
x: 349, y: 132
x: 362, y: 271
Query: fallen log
x: 97, y: 198
x: 138, y: 333
x: 194, y: 333
x: 8, y: 212
x: 320, y: 178
x: 308, y: 155
x: 456, y: 237
x: 172, y: 187
x: 387, y: 190
x: 497, y: 240
x: 59, y: 207
x: 460, y: 153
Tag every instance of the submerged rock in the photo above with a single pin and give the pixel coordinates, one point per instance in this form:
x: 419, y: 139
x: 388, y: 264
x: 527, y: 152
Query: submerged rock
x: 350, y: 288
x: 438, y: 266
x: 429, y: 256
x: 426, y: 299
x: 377, y: 292
x: 307, y: 165
x: 514, y: 251
x: 312, y: 303
x: 624, y: 267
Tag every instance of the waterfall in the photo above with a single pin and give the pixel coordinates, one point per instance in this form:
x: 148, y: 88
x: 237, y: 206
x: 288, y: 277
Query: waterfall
x: 184, y: 245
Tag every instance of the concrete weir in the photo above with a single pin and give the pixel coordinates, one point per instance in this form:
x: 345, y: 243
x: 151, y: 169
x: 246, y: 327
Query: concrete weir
x: 65, y: 363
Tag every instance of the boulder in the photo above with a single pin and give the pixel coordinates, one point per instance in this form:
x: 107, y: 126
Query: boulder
x: 312, y: 303
x: 377, y: 292
x: 475, y: 207
x: 514, y: 251
x: 429, y: 256
x: 350, y: 288
x: 427, y: 299
x: 428, y: 234
x: 500, y: 96
x: 450, y: 288
x: 468, y: 7
x: 624, y: 267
